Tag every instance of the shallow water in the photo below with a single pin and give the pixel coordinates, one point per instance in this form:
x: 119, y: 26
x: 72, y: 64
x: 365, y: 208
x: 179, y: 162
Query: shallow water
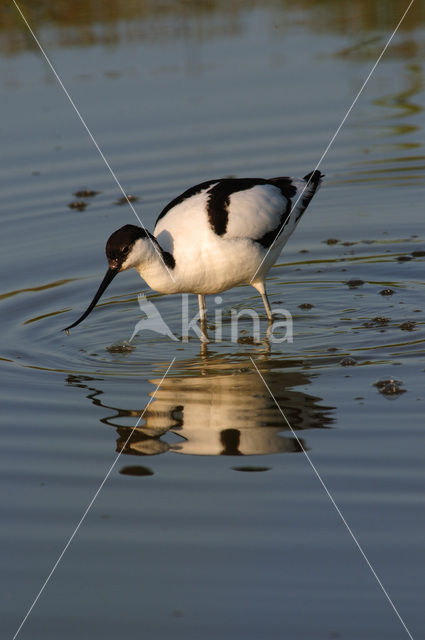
x: 232, y: 537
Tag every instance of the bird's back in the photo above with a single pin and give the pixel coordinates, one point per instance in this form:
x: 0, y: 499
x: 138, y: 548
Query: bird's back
x: 229, y: 224
x: 239, y: 207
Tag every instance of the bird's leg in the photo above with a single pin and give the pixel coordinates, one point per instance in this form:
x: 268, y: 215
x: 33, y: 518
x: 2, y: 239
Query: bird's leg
x: 202, y: 308
x: 267, y: 307
x: 261, y: 288
x: 203, y: 317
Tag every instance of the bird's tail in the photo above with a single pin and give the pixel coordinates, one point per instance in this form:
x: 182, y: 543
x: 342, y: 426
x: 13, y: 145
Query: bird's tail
x: 313, y: 180
x: 306, y: 188
x: 314, y: 177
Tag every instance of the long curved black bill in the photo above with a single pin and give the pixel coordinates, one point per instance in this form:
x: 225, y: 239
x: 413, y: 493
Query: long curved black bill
x: 109, y: 276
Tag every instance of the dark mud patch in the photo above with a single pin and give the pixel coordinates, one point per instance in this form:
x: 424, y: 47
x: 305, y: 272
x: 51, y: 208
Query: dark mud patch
x: 86, y: 193
x: 79, y: 205
x: 126, y: 199
x: 378, y: 321
x: 390, y: 387
x: 409, y: 325
x: 353, y: 284
x: 347, y: 362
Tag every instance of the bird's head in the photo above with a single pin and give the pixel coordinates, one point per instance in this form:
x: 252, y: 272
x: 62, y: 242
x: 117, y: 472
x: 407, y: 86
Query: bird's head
x: 125, y: 248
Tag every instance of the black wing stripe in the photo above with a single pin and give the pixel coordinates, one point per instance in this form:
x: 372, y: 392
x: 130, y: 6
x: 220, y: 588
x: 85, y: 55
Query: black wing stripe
x: 289, y: 191
x: 268, y: 238
x: 219, y: 200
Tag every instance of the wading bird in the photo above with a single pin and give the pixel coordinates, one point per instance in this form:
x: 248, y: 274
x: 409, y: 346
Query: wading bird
x: 216, y: 235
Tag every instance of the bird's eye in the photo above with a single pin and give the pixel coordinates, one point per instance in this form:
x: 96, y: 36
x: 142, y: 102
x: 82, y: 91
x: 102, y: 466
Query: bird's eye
x: 125, y: 250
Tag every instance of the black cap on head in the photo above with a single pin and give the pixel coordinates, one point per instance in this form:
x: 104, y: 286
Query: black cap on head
x: 120, y: 242
x: 117, y: 249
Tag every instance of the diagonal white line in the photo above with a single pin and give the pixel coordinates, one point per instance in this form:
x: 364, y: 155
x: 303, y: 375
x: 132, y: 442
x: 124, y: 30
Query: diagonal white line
x: 337, y: 509
x: 89, y: 506
x: 83, y: 122
x: 340, y: 126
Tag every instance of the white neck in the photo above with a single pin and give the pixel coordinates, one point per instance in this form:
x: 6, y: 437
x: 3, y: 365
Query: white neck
x: 147, y: 258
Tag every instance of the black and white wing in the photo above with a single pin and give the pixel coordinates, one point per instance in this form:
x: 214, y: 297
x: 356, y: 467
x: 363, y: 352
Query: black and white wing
x: 253, y: 208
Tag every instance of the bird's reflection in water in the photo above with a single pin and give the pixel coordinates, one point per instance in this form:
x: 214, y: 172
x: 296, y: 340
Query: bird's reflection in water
x: 217, y: 407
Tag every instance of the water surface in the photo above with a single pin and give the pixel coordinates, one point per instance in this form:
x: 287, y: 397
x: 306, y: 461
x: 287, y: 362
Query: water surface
x: 213, y: 523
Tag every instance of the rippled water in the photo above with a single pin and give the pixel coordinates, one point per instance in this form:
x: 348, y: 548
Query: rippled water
x: 232, y: 537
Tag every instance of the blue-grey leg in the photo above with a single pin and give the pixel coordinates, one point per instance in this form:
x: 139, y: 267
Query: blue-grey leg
x: 203, y: 317
x: 261, y: 288
x: 202, y: 308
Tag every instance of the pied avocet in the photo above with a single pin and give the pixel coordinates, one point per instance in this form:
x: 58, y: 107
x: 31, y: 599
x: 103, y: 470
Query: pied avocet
x: 214, y: 236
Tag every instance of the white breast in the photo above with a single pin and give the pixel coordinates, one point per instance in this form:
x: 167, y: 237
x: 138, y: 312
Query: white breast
x: 205, y: 262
